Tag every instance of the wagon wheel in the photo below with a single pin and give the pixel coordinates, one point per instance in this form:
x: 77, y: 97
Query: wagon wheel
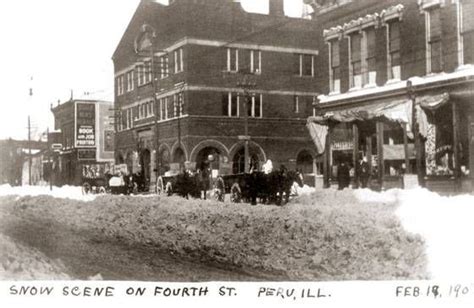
x: 235, y: 193
x: 219, y: 189
x: 86, y: 188
x: 159, y: 189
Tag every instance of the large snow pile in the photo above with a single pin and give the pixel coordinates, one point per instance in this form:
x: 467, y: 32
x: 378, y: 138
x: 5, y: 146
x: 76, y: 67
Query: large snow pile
x: 447, y: 227
x: 22, y: 263
x: 70, y: 192
x: 327, y: 235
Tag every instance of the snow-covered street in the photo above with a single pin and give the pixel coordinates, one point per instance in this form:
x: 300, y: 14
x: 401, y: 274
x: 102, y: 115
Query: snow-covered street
x: 320, y: 235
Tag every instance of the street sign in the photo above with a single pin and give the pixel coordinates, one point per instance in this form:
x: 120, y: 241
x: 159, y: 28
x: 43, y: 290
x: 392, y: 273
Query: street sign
x: 56, y: 147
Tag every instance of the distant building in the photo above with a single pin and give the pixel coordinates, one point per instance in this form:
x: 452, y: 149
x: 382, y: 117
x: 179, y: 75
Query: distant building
x: 86, y: 140
x: 14, y: 161
x: 202, y: 53
x: 378, y: 58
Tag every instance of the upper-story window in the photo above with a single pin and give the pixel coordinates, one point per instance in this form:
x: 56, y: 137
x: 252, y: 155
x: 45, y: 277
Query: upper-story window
x: 305, y: 65
x: 334, y: 66
x: 178, y: 60
x: 433, y: 35
x: 355, y: 69
x: 140, y: 74
x: 393, y: 50
x: 255, y: 61
x: 369, y: 62
x: 148, y: 72
x: 230, y: 105
x: 120, y: 85
x: 467, y: 31
x: 164, y: 66
x: 164, y: 108
x: 296, y: 104
x: 232, y: 59
x: 254, y: 106
x: 130, y: 81
x: 178, y: 105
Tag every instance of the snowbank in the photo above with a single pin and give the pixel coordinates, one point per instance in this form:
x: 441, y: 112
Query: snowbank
x: 326, y: 235
x: 446, y: 225
x: 18, y: 262
x: 67, y: 192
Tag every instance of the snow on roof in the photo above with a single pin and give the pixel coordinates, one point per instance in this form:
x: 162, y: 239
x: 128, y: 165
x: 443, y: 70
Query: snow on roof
x: 392, y: 85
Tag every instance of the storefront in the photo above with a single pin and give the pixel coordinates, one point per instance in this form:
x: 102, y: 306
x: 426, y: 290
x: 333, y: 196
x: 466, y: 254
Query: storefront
x: 422, y: 136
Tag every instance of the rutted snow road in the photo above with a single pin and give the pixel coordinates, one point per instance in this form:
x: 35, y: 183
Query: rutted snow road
x: 87, y: 254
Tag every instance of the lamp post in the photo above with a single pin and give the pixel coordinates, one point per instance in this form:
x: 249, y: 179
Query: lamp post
x: 246, y: 84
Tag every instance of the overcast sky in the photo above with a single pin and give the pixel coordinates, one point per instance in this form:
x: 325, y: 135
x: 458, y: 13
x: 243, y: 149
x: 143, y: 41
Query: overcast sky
x: 64, y: 45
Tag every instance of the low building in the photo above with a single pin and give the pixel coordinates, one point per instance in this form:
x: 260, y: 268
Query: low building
x: 86, y: 142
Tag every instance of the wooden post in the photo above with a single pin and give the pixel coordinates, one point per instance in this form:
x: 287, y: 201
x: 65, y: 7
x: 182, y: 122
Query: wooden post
x: 405, y: 147
x: 326, y: 162
x: 380, y: 160
x: 456, y: 163
x: 368, y: 141
x: 355, y: 158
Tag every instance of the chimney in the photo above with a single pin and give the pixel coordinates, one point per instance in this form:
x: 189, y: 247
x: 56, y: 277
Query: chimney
x: 276, y: 8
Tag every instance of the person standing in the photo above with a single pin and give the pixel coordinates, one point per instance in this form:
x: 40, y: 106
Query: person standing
x: 364, y: 173
x: 343, y: 176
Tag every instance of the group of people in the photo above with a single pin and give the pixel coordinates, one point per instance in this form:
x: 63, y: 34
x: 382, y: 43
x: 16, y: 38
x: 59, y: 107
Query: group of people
x: 361, y: 174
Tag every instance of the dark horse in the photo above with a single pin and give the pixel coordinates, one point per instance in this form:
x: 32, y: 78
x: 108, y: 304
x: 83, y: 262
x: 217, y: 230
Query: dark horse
x: 271, y: 187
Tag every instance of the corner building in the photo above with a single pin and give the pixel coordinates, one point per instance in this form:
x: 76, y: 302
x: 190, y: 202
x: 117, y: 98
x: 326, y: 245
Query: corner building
x: 398, y: 90
x: 185, y: 73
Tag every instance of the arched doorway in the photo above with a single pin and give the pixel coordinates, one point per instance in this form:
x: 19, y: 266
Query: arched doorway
x: 304, y: 162
x: 164, y: 161
x: 145, y: 166
x: 129, y: 162
x: 179, y: 157
x: 209, y: 157
x: 238, y: 162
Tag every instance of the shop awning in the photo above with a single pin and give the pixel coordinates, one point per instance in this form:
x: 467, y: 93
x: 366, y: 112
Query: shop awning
x: 318, y: 133
x: 398, y: 110
x: 432, y: 102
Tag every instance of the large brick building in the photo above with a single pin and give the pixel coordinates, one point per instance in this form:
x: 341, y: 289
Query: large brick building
x: 385, y: 61
x: 203, y: 50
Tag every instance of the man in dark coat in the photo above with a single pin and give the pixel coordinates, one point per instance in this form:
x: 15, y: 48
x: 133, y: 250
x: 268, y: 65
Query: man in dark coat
x: 364, y: 172
x: 343, y: 176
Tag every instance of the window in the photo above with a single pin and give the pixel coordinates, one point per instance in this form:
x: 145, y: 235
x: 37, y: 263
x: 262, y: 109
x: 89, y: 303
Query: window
x: 355, y: 70
x: 164, y: 67
x: 129, y: 118
x: 254, y: 106
x: 151, y: 109
x: 434, y: 56
x: 148, y: 72
x: 230, y: 105
x: 130, y: 81
x: 140, y: 73
x: 296, y: 104
x: 467, y: 31
x: 394, y: 71
x: 232, y: 59
x: 164, y: 108
x: 120, y: 85
x: 334, y: 63
x: 255, y: 61
x: 305, y: 65
x: 178, y: 60
x: 178, y: 103
x: 369, y: 69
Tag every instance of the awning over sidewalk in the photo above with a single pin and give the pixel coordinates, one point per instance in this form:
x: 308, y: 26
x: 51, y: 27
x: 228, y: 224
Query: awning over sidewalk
x: 396, y: 110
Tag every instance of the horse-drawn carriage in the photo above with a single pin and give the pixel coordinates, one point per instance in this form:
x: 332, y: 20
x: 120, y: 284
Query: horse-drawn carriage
x: 274, y: 187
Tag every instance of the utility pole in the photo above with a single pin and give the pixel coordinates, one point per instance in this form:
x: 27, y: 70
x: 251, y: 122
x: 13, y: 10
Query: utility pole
x: 416, y: 134
x: 29, y: 151
x: 246, y: 84
x: 156, y: 110
x: 50, y: 152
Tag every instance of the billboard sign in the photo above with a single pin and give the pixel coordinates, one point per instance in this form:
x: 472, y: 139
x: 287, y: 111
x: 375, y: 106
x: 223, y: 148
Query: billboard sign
x: 85, y: 125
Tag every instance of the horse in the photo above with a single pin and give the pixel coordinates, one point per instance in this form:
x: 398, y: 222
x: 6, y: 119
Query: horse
x: 279, y: 183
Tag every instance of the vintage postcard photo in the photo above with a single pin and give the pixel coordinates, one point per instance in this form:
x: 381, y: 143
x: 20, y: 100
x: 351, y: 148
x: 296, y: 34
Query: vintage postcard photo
x: 197, y: 141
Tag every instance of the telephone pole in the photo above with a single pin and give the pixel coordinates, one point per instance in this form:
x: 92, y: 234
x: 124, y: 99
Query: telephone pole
x: 29, y: 151
x: 246, y: 84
